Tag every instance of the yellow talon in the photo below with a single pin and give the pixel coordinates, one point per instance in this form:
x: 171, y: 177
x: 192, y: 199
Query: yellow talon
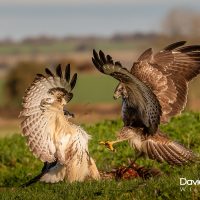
x: 108, y: 144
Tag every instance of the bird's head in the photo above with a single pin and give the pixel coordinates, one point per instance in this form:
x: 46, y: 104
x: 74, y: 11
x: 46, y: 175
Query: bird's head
x: 61, y: 95
x: 120, y: 91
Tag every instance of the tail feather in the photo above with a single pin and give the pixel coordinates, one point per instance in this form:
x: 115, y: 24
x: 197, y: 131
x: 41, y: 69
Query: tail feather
x: 173, y: 156
x: 167, y: 155
x: 46, y: 168
x: 55, y: 174
x: 183, y: 153
x: 160, y: 148
x: 33, y: 180
x: 153, y: 153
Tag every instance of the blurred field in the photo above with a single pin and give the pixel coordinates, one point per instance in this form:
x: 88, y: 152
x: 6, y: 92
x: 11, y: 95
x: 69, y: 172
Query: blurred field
x: 1, y: 92
x: 123, y: 48
x: 93, y: 93
x: 67, y: 46
x: 18, y: 166
x: 92, y: 102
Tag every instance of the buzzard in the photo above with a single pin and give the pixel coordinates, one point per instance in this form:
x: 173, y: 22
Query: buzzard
x: 154, y: 90
x: 60, y: 144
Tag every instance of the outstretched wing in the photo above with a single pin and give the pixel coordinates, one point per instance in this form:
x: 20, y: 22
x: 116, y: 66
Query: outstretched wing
x: 140, y: 96
x: 167, y: 73
x: 43, y: 107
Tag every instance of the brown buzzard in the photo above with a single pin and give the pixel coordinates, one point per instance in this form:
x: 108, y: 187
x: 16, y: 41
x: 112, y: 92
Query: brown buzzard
x: 154, y: 90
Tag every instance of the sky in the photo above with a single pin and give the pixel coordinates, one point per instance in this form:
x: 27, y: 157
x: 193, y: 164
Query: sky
x: 59, y: 18
x: 78, y: 2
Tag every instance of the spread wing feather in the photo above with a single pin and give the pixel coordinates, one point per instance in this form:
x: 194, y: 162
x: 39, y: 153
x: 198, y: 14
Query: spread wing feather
x: 167, y: 73
x: 41, y: 87
x: 139, y: 95
x: 39, y: 129
x: 40, y: 111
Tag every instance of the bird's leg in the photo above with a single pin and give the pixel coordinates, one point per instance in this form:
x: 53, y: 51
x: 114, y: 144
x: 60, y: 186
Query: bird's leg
x: 138, y: 154
x: 109, y: 144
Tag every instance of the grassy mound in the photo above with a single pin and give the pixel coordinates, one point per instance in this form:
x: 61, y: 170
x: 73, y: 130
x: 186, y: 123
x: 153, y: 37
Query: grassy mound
x: 17, y: 165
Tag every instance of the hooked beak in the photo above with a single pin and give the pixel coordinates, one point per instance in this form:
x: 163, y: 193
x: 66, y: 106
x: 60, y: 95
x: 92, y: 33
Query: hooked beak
x: 115, y: 96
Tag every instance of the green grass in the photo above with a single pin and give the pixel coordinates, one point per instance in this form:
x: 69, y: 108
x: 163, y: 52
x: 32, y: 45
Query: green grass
x: 89, y: 86
x: 18, y: 165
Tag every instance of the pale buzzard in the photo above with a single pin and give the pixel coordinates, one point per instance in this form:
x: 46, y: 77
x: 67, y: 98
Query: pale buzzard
x: 60, y: 144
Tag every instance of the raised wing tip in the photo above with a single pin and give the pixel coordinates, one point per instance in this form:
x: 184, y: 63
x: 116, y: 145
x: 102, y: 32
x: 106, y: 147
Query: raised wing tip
x: 59, y: 70
x: 174, y: 45
x: 95, y: 54
x: 97, y: 60
x: 67, y: 72
x: 102, y: 57
x: 48, y: 72
x: 101, y: 53
x: 73, y: 81
x: 182, y: 42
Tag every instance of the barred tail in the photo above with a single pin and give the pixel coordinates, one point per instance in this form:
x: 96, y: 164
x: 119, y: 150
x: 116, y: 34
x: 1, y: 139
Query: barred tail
x: 170, y: 151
